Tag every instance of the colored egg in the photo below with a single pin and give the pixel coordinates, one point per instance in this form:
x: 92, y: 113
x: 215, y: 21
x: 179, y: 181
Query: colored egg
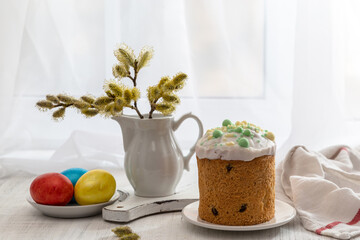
x: 74, y: 174
x: 95, y: 186
x: 51, y: 189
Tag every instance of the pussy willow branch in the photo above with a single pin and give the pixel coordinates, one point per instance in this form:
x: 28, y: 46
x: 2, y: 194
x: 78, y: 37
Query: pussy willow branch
x: 71, y: 104
x: 153, y: 108
x: 134, y: 82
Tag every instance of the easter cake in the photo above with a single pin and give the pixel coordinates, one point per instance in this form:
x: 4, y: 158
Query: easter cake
x: 236, y: 164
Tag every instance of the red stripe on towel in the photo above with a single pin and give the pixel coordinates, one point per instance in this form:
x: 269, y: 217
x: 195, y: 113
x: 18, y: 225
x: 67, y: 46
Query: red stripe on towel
x: 355, y: 220
x: 329, y: 226
x: 344, y: 149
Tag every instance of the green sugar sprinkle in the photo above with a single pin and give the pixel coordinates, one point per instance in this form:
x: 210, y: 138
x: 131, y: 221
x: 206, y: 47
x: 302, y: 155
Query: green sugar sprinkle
x: 243, y: 142
x: 202, y: 143
x: 258, y: 141
x: 247, y: 132
x: 217, y: 133
x: 238, y: 130
x: 266, y: 130
x: 226, y: 122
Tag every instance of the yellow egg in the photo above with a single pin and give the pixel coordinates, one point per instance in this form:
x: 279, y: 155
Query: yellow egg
x: 95, y: 186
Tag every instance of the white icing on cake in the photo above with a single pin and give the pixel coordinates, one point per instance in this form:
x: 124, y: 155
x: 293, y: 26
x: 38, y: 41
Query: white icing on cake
x: 227, y: 147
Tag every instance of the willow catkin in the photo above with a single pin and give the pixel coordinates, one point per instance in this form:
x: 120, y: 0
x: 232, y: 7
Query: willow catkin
x: 65, y: 99
x: 125, y: 233
x: 127, y: 96
x: 120, y: 231
x: 118, y: 108
x: 163, y: 81
x: 169, y: 86
x: 125, y: 55
x: 81, y: 105
x: 179, y: 78
x: 165, y: 108
x: 88, y: 99
x: 90, y: 112
x: 119, y: 104
x: 110, y: 94
x: 135, y: 94
x: 179, y: 86
x: 154, y: 93
x: 116, y: 89
x: 171, y: 98
x: 44, y: 104
x: 131, y: 236
x: 109, y: 109
x: 144, y: 58
x: 60, y: 113
x: 119, y: 71
x: 52, y: 99
x: 102, y: 101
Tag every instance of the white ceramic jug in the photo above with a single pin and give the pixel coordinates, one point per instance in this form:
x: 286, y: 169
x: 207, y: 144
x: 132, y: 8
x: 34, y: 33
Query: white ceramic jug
x: 154, y: 163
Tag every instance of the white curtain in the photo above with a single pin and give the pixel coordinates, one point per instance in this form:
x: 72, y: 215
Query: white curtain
x: 289, y: 66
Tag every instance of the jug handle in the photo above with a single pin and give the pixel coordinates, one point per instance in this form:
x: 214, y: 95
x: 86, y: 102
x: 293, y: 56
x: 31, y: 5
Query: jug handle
x: 176, y: 125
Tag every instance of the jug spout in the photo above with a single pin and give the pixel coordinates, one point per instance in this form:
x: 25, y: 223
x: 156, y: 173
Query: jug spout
x: 127, y: 130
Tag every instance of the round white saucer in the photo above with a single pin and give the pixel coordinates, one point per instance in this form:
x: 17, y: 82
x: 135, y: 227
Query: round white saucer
x: 284, y: 213
x: 72, y: 210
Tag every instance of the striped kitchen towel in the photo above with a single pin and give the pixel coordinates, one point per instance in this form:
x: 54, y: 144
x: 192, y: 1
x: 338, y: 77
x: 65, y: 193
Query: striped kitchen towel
x: 324, y: 187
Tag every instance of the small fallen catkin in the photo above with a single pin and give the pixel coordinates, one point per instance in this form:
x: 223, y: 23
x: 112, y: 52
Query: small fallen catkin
x: 120, y: 231
x: 125, y: 233
x: 131, y: 236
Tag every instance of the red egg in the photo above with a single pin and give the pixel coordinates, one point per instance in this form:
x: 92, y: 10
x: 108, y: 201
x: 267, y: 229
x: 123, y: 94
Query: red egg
x: 52, y: 189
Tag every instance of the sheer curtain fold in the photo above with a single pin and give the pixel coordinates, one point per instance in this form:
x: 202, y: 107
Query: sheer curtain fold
x: 318, y: 118
x: 280, y: 64
x: 12, y: 35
